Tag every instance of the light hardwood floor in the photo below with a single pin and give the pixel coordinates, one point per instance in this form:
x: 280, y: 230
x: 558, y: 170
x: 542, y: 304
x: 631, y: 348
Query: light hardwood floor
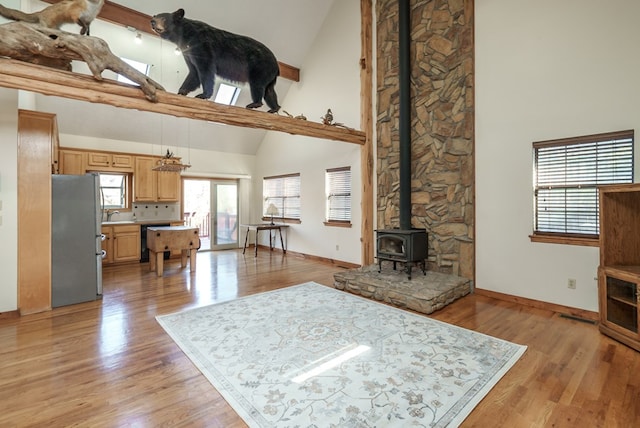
x: 109, y: 363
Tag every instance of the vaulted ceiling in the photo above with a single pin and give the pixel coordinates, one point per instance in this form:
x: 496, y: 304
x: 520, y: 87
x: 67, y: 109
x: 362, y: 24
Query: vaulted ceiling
x: 287, y: 27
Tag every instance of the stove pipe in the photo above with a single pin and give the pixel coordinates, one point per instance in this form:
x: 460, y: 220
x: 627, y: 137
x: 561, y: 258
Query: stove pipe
x: 404, y: 74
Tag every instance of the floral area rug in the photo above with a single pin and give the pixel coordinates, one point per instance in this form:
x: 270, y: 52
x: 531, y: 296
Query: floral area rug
x: 313, y: 356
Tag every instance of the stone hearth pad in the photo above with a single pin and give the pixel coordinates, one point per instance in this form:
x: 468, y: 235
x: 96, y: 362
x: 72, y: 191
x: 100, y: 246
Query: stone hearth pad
x: 423, y: 293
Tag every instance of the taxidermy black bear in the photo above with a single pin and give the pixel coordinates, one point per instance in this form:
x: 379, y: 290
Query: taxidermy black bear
x: 209, y: 51
x: 81, y: 12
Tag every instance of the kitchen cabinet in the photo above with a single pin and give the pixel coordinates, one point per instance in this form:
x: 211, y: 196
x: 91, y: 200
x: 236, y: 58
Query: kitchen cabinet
x: 154, y: 186
x: 122, y: 243
x: 35, y: 137
x: 168, y: 186
x: 72, y: 162
x: 104, y: 161
x: 145, y: 185
x: 107, y: 245
x: 55, y: 147
x: 126, y: 243
x: 619, y: 270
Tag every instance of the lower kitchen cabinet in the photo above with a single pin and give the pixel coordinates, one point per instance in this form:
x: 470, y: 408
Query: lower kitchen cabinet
x: 107, y: 245
x: 122, y: 243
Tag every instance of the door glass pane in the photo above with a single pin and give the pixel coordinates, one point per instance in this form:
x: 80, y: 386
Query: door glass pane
x: 226, y: 214
x: 197, y: 213
x: 212, y: 206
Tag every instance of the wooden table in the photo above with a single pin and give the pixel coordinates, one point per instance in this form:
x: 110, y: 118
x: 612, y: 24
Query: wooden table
x: 264, y: 226
x: 173, y: 238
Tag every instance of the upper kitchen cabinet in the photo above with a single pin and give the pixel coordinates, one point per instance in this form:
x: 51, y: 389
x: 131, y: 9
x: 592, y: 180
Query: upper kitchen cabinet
x: 154, y: 186
x: 103, y: 161
x: 145, y: 185
x: 72, y: 162
x: 168, y: 186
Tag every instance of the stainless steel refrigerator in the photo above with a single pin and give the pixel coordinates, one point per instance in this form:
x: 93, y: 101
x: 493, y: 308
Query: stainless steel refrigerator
x: 76, y: 244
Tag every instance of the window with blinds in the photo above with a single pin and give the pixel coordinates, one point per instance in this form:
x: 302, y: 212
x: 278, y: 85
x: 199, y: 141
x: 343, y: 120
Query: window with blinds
x: 284, y: 192
x: 338, y: 189
x: 567, y: 173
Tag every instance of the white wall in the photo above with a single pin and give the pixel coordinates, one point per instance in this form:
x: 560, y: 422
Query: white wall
x: 329, y: 78
x: 544, y: 70
x: 9, y: 192
x: 8, y: 199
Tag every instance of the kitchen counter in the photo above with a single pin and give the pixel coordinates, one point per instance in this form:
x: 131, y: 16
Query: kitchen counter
x: 141, y: 222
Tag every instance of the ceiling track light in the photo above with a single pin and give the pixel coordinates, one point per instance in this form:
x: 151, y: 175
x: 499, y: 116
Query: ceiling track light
x: 138, y: 38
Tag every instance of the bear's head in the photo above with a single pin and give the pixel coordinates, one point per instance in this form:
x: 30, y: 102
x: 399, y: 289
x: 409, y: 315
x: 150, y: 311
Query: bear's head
x: 165, y: 23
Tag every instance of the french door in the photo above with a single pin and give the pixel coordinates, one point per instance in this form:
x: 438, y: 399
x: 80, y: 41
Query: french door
x: 212, y: 206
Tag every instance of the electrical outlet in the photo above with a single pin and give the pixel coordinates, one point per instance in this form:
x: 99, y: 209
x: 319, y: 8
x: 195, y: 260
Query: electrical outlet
x: 571, y: 283
x: 337, y: 247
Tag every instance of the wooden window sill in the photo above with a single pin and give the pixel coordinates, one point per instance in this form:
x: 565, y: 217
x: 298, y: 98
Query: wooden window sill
x: 337, y: 224
x: 565, y: 239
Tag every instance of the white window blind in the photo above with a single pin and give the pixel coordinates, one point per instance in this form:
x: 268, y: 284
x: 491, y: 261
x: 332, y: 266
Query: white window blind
x: 338, y: 188
x: 566, y: 175
x: 284, y: 192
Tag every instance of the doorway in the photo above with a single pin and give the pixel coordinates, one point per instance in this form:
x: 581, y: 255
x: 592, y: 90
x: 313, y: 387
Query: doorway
x: 212, y: 206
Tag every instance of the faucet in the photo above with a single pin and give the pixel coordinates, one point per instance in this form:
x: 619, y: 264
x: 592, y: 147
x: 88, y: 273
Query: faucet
x: 111, y: 213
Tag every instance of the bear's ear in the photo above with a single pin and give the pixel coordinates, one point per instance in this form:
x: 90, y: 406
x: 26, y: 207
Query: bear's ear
x: 178, y: 14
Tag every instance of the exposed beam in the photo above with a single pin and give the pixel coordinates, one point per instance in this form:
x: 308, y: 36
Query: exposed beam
x: 366, y: 124
x: 49, y: 81
x: 121, y: 15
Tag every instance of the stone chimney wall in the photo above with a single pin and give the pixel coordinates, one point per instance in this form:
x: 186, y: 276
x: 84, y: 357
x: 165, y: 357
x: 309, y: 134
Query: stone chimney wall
x: 442, y: 148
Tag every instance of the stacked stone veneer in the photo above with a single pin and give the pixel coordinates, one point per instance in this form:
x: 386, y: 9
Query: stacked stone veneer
x: 442, y: 127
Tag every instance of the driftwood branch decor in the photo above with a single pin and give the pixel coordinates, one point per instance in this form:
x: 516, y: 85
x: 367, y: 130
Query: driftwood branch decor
x: 55, y: 48
x: 29, y: 47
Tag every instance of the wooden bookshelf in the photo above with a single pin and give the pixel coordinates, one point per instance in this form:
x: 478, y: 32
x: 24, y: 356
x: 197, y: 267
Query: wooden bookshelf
x: 619, y: 270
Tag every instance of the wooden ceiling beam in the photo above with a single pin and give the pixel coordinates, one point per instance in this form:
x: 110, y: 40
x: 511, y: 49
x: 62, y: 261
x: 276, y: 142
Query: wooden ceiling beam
x: 121, y: 15
x: 49, y: 81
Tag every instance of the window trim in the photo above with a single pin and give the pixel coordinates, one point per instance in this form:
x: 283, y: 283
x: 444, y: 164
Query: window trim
x: 575, y: 238
x: 336, y: 222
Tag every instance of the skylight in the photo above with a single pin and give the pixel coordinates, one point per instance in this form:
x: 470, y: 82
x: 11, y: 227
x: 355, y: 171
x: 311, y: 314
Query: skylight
x: 140, y: 66
x: 227, y: 94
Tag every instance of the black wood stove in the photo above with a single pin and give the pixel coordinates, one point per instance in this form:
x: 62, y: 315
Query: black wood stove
x: 405, y: 246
